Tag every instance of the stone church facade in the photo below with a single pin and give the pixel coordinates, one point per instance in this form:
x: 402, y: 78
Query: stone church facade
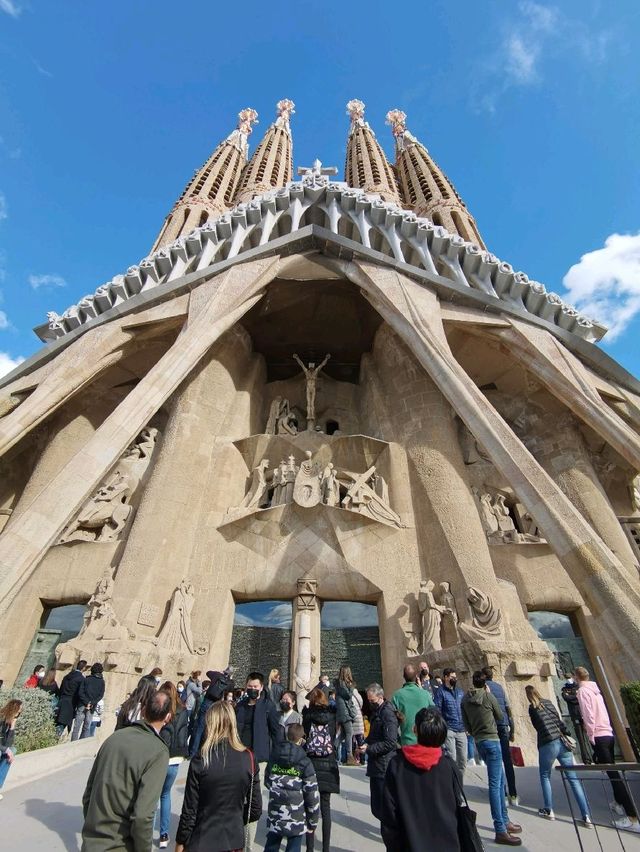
x: 318, y: 390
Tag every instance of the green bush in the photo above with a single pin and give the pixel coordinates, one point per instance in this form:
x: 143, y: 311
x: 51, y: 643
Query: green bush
x: 630, y: 693
x: 35, y: 728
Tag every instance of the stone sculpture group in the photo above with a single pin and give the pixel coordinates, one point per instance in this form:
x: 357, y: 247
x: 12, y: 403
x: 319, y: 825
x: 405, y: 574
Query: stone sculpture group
x: 440, y: 625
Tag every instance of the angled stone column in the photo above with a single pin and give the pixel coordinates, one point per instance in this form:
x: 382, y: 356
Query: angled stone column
x: 71, y: 371
x: 220, y: 303
x: 414, y: 312
x: 565, y: 377
x: 305, y: 640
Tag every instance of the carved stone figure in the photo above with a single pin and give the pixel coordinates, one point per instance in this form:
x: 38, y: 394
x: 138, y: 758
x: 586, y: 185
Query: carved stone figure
x: 281, y: 421
x: 288, y: 479
x: 529, y: 530
x: 304, y: 659
x: 306, y: 490
x: 487, y: 515
x: 506, y: 527
x: 311, y: 377
x: 411, y: 643
x: 103, y: 516
x: 449, y: 628
x: 486, y: 618
x: 256, y: 496
x: 100, y: 620
x: 431, y: 617
x: 362, y: 497
x: 634, y: 490
x: 176, y: 633
x: 330, y: 486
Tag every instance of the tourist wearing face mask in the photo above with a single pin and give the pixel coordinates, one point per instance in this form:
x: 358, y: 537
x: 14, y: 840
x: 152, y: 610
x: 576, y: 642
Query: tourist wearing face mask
x: 448, y: 700
x: 288, y: 714
x: 258, y: 727
x: 34, y: 680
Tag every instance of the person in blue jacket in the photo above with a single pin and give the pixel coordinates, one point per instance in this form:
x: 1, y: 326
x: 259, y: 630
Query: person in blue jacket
x: 448, y: 700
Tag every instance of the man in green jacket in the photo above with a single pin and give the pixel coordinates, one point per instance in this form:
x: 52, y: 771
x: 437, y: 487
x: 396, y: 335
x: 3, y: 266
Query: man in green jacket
x: 125, y: 783
x: 408, y: 700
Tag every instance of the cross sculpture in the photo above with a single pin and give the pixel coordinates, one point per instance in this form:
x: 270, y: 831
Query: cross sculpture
x: 316, y: 175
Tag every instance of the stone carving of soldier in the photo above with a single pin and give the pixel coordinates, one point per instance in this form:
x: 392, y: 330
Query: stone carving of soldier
x: 255, y: 497
x: 311, y: 377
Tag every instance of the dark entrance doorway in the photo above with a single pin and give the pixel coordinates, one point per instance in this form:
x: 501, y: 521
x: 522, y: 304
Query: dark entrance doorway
x: 58, y: 624
x: 349, y: 636
x: 261, y: 639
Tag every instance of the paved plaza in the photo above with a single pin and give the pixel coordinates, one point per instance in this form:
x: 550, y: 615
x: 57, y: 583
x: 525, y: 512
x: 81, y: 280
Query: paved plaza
x: 47, y: 814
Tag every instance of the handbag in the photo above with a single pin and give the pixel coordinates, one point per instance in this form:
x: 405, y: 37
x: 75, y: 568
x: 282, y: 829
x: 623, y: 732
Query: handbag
x: 247, y: 844
x: 568, y: 742
x: 470, y: 840
x: 517, y: 758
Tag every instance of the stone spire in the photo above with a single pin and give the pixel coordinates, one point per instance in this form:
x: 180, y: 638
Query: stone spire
x: 271, y: 164
x: 211, y: 189
x: 424, y: 186
x: 366, y: 165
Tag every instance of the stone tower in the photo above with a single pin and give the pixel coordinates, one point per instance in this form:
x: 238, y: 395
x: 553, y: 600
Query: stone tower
x: 212, y: 188
x: 325, y: 394
x: 272, y: 162
x: 366, y: 165
x: 424, y: 186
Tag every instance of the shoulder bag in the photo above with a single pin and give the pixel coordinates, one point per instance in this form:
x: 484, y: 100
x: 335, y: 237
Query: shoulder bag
x: 470, y: 840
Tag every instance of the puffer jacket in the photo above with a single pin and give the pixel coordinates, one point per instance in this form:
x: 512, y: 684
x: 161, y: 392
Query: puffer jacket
x: 192, y: 691
x: 294, y: 803
x: 327, y: 772
x: 358, y: 721
x: 176, y: 734
x: 547, y: 722
x: 382, y: 742
x: 344, y: 710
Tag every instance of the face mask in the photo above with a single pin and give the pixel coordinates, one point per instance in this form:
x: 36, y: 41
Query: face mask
x: 453, y: 681
x: 253, y: 693
x: 284, y: 705
x: 157, y: 681
x: 40, y: 675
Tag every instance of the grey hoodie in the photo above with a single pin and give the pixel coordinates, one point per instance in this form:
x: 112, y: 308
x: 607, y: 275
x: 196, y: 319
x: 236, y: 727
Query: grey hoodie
x: 481, y: 713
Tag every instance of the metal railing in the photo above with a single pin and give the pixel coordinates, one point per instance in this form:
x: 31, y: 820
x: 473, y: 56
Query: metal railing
x: 619, y: 782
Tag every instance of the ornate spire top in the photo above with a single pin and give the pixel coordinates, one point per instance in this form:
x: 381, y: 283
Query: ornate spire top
x: 398, y: 121
x: 240, y: 136
x: 355, y: 111
x: 286, y: 109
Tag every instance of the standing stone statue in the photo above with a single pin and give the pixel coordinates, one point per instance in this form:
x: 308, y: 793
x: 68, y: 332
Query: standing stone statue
x: 330, y: 486
x: 506, y: 527
x: 449, y: 627
x: 176, y: 632
x: 487, y: 515
x: 431, y: 617
x: 486, y: 618
x: 282, y: 421
x: 256, y: 496
x: 311, y: 377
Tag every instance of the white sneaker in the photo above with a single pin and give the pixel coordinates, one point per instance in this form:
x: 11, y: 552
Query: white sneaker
x: 514, y: 800
x: 471, y: 761
x: 546, y: 813
x: 622, y: 823
x: 617, y: 809
x: 482, y: 763
x: 586, y: 822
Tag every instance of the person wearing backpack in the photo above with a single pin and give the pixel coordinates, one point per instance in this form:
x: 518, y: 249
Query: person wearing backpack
x: 319, y: 723
x: 175, y: 736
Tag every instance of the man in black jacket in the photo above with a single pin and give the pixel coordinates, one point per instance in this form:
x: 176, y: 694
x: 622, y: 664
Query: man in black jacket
x: 570, y: 695
x: 259, y: 728
x: 380, y: 745
x: 68, y: 698
x: 90, y: 692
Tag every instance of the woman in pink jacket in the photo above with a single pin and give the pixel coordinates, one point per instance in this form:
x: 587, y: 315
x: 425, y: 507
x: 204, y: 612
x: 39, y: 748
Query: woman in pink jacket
x: 598, y: 728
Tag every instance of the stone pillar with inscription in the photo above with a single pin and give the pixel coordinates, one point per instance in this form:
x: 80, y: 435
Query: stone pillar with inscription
x: 305, y: 640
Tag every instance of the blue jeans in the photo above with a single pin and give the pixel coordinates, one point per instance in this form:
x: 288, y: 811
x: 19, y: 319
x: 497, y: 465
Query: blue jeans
x: 491, y: 752
x: 547, y: 756
x: 4, y: 770
x: 294, y: 844
x: 165, y: 797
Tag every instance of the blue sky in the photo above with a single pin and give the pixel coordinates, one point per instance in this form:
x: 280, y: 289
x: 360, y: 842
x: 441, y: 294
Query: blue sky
x: 531, y: 108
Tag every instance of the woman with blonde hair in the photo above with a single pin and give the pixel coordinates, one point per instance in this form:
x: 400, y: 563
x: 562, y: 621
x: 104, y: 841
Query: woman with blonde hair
x: 8, y: 717
x: 554, y: 743
x: 222, y: 794
x: 275, y: 689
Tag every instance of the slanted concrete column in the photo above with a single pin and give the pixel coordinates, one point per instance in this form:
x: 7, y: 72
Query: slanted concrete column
x: 414, y: 312
x: 305, y: 640
x: 224, y: 300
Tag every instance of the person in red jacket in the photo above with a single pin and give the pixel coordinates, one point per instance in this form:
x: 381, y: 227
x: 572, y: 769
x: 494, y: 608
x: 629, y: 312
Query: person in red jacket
x: 34, y: 681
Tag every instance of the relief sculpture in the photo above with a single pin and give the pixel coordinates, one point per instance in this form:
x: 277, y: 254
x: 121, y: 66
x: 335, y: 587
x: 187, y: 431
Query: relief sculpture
x: 104, y: 515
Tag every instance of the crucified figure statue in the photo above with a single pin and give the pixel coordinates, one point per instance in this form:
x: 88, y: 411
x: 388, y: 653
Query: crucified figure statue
x: 311, y: 376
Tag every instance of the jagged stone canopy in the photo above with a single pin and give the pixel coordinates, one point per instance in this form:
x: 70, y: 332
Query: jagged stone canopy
x: 363, y: 219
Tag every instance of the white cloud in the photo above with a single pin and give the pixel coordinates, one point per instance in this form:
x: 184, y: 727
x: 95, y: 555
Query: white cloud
x: 521, y: 59
x: 10, y: 7
x: 54, y: 280
x: 3, y: 202
x: 7, y: 363
x: 4, y: 321
x: 605, y: 283
x: 541, y: 18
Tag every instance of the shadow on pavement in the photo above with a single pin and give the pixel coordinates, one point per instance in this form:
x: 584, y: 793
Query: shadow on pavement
x: 61, y: 819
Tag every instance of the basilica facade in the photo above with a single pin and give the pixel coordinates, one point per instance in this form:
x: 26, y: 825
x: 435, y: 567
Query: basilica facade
x: 313, y: 390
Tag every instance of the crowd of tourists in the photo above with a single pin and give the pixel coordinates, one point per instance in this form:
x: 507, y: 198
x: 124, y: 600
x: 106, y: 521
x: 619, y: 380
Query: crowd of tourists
x: 415, y: 744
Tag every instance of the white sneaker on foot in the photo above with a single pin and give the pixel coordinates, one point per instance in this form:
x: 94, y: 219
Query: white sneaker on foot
x: 546, y: 813
x: 471, y: 761
x: 617, y: 809
x: 622, y: 823
x: 514, y: 800
x: 586, y: 822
